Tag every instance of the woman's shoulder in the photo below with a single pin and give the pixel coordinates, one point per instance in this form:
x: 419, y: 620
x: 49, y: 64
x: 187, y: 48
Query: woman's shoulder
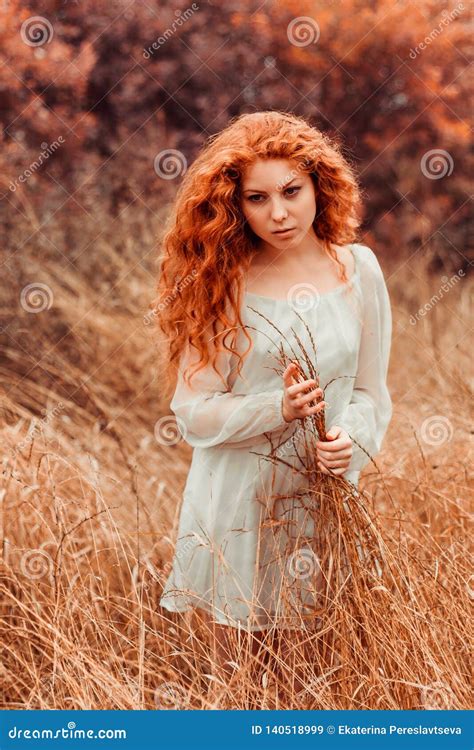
x: 366, y: 261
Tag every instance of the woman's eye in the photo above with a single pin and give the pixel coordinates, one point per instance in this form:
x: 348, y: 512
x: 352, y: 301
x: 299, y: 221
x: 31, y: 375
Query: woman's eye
x: 255, y: 198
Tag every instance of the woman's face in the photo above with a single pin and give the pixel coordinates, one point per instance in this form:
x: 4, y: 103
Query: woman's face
x: 276, y: 196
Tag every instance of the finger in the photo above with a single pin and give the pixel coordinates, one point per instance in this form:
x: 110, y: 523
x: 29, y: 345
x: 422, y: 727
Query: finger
x: 333, y: 447
x: 328, y: 456
x: 336, y: 464
x: 343, y: 441
x: 301, y: 400
x: 298, y: 388
x: 336, y: 472
x: 288, y: 375
x: 308, y: 410
x: 292, y: 374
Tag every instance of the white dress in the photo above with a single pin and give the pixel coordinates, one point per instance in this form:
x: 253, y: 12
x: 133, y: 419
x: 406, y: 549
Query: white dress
x: 221, y: 563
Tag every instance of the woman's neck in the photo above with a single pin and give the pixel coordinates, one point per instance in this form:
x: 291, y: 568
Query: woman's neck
x: 310, y: 249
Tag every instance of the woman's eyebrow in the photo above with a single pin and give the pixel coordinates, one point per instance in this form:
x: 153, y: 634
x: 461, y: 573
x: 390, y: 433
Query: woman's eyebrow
x: 254, y: 190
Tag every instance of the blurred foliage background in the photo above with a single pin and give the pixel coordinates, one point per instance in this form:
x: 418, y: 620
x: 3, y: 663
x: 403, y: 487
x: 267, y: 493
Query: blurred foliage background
x: 117, y: 102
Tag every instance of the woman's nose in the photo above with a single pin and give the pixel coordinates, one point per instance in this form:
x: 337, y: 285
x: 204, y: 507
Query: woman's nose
x: 278, y: 211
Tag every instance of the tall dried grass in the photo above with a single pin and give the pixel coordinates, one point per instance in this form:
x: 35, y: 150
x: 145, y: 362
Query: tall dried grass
x: 90, y: 501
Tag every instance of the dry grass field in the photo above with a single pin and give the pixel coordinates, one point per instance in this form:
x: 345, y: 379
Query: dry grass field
x: 91, y: 492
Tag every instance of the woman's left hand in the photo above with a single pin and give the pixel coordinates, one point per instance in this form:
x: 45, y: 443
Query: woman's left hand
x: 335, y: 454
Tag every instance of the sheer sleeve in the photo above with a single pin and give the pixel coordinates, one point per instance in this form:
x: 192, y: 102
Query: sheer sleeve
x: 368, y: 414
x: 208, y: 415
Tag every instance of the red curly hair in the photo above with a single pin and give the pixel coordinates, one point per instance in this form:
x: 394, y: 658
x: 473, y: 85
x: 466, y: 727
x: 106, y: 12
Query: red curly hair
x: 207, y: 244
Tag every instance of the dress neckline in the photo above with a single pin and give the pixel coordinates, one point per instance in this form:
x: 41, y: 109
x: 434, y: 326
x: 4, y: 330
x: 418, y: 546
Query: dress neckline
x: 337, y: 289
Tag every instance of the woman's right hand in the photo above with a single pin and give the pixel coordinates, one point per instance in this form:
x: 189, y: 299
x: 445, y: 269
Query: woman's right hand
x: 295, y: 403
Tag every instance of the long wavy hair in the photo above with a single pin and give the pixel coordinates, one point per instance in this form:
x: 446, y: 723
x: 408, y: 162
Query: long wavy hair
x: 207, y: 244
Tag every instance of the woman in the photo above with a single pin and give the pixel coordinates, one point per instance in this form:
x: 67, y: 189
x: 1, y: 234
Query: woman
x: 259, y: 248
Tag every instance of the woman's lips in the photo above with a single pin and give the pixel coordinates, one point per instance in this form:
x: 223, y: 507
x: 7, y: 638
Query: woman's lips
x: 285, y: 231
